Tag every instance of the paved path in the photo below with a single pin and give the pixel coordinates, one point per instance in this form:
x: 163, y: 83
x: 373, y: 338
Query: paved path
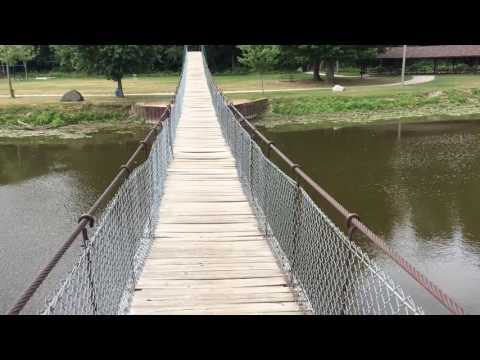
x: 336, y: 75
x: 416, y: 80
x: 208, y: 255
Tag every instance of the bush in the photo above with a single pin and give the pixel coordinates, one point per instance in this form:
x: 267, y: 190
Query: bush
x: 45, y: 118
x: 476, y: 92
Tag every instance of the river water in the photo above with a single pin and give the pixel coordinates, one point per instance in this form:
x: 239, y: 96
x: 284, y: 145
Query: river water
x: 44, y: 187
x: 416, y: 185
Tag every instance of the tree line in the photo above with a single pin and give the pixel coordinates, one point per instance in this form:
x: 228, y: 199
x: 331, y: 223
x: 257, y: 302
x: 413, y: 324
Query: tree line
x: 116, y: 61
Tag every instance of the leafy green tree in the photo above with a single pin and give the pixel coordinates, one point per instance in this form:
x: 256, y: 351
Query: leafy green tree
x: 304, y: 54
x: 168, y: 57
x: 12, y: 54
x: 44, y: 59
x: 112, y: 61
x: 329, y: 54
x: 259, y: 58
x: 222, y: 57
x: 66, y: 55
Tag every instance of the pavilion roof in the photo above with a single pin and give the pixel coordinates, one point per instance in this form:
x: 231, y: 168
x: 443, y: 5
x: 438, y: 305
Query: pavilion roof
x: 431, y: 52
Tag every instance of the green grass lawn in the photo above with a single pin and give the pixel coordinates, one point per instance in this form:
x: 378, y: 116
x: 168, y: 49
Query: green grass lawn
x: 43, y: 101
x: 441, y: 83
x: 296, y: 81
x: 168, y: 83
x: 447, y: 97
x: 59, y: 86
x: 360, y: 101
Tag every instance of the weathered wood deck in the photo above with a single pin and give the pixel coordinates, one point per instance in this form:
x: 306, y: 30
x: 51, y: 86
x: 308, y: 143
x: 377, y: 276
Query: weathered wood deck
x: 208, y: 256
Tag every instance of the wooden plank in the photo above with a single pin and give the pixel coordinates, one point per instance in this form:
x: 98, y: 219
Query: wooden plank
x: 214, y: 298
x: 219, y: 301
x: 210, y: 228
x: 187, y: 292
x: 225, y: 284
x: 147, y: 311
x: 153, y: 274
x: 211, y: 260
x: 245, y: 308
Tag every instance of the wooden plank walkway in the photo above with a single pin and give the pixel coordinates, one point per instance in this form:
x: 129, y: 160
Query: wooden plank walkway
x: 208, y: 256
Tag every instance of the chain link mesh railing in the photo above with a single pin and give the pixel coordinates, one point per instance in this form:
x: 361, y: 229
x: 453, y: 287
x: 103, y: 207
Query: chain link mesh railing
x: 103, y: 278
x: 332, y: 274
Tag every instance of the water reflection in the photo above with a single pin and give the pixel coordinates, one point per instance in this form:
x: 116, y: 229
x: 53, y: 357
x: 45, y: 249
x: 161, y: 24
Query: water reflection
x: 417, y: 185
x: 43, y: 190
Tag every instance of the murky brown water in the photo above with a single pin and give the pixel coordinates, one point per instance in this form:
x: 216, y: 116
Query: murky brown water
x: 418, y: 186
x: 44, y: 187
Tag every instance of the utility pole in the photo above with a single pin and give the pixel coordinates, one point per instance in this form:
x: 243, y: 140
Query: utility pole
x: 403, y: 63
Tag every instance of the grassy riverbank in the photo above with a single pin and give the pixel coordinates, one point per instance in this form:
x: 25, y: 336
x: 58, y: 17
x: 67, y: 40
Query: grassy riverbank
x: 296, y: 100
x: 37, y: 106
x: 445, y: 98
x: 66, y: 120
x: 30, y: 117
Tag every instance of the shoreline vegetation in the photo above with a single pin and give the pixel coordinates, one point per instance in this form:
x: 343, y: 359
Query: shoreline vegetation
x: 448, y: 97
x: 335, y: 112
x: 66, y: 121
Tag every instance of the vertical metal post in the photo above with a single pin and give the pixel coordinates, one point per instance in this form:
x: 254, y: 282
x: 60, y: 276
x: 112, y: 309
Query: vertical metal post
x: 403, y: 63
x: 87, y: 245
x: 267, y: 196
x: 251, y: 164
x: 297, y: 208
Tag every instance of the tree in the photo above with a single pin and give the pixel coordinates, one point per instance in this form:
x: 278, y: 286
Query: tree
x: 26, y: 53
x: 168, y: 57
x: 44, y: 59
x: 329, y: 54
x: 222, y: 57
x: 366, y: 57
x: 259, y: 57
x: 10, y: 55
x: 112, y: 61
x: 66, y: 56
x: 304, y: 54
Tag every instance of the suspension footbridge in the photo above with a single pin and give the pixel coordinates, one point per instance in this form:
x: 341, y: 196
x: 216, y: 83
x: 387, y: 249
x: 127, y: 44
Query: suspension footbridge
x: 208, y: 254
x: 208, y: 224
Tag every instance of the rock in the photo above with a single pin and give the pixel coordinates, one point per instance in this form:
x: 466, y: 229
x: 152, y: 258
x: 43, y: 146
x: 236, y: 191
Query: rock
x: 338, y: 88
x: 435, y: 94
x: 72, y: 95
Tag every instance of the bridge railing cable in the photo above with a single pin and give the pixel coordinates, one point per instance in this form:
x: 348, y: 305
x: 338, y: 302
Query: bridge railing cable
x: 332, y: 273
x: 103, y: 278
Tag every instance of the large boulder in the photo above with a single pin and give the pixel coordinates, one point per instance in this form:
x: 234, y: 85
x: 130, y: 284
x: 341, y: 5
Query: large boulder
x: 72, y: 95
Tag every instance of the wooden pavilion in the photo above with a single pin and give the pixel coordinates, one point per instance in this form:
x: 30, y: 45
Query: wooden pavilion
x: 453, y: 58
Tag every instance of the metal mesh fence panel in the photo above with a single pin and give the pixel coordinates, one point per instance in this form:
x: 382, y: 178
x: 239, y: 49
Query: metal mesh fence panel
x: 103, y: 279
x: 331, y: 273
